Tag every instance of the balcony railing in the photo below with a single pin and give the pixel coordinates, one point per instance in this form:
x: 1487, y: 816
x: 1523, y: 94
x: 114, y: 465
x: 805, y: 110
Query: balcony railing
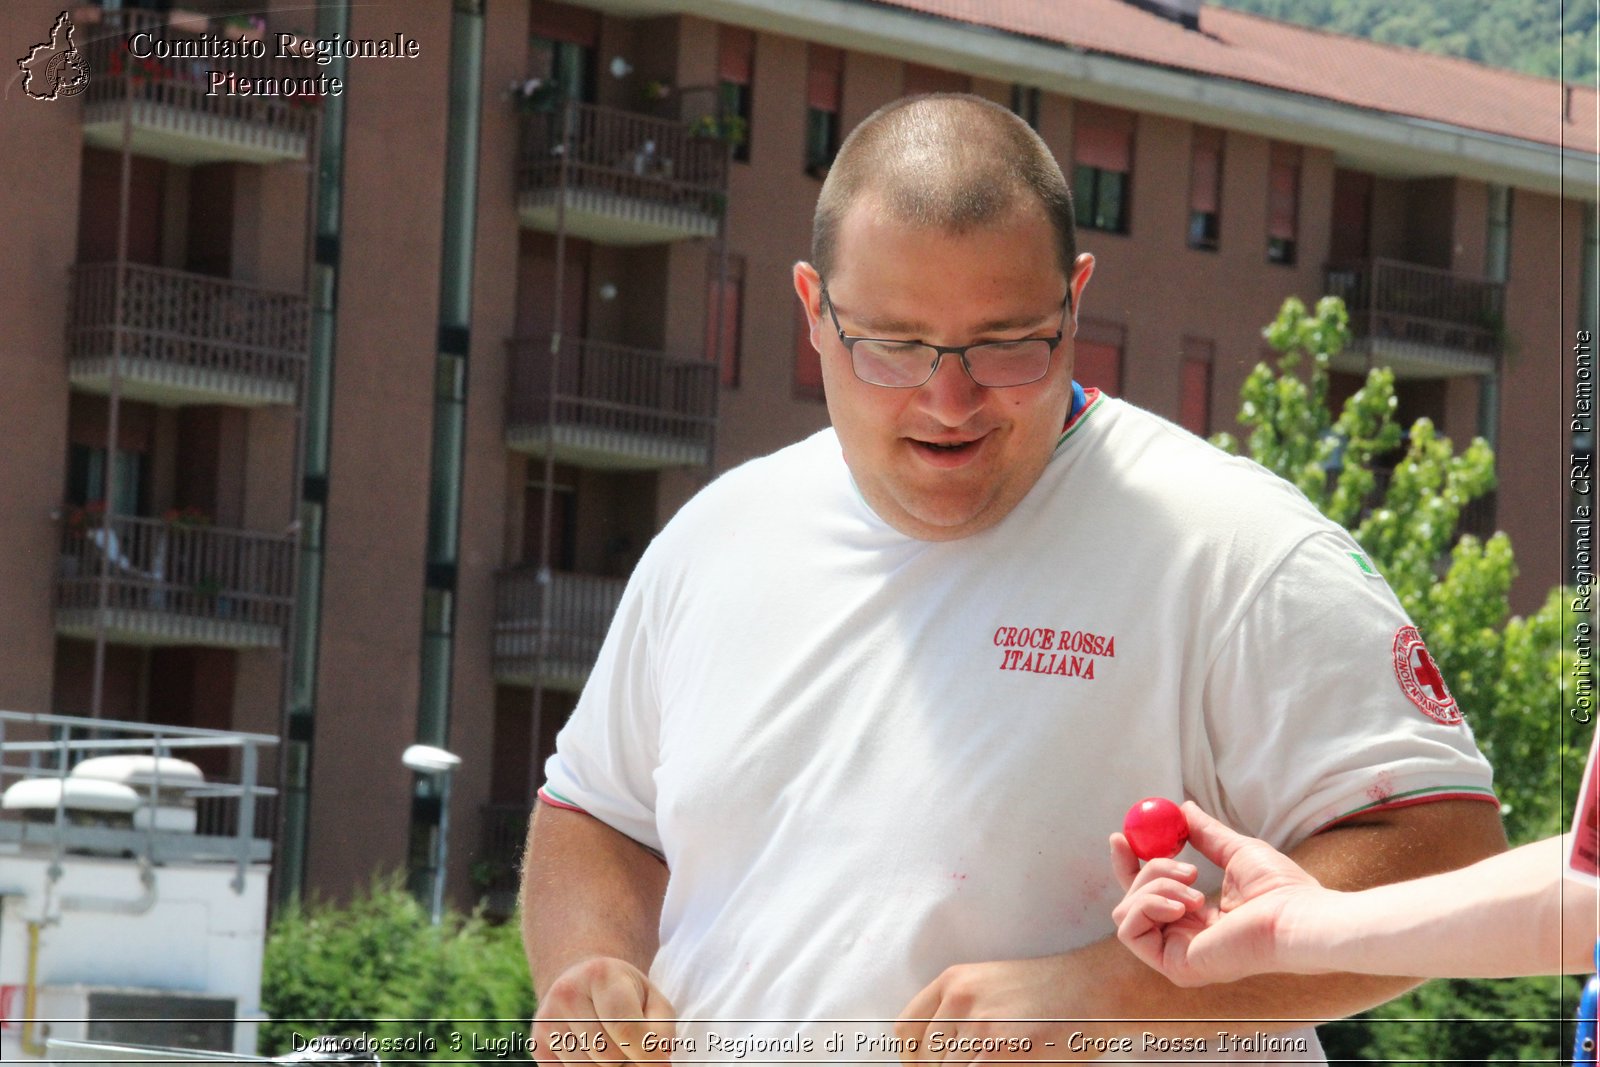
x: 555, y: 651
x: 628, y: 179
x: 1422, y: 321
x: 187, y: 338
x: 174, y: 584
x: 613, y: 406
x: 177, y: 114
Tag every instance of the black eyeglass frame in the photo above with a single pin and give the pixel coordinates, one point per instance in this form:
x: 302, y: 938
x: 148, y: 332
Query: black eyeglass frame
x: 940, y: 351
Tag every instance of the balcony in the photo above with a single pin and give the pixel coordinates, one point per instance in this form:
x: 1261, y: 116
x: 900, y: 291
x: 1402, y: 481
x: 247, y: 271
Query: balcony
x: 173, y: 584
x: 613, y: 407
x: 1420, y: 321
x: 622, y: 178
x: 186, y: 338
x: 176, y: 114
x: 554, y: 649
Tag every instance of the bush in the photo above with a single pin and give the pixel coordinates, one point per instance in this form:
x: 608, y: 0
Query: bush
x: 379, y: 969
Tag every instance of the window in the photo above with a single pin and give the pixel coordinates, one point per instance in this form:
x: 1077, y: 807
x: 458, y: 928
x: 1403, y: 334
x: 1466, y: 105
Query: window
x: 86, y: 478
x: 1025, y: 103
x: 736, y: 49
x: 1205, y: 189
x: 1102, y: 164
x: 1098, y: 356
x: 807, y: 361
x: 1497, y: 253
x: 731, y: 294
x: 1283, y: 203
x: 824, y: 89
x: 1194, y: 382
x: 561, y: 51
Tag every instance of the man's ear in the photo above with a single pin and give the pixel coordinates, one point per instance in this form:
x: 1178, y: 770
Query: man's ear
x: 1082, y: 271
x: 808, y: 287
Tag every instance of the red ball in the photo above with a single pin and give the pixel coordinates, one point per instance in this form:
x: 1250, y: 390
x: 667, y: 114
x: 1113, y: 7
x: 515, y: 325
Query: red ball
x: 1155, y: 828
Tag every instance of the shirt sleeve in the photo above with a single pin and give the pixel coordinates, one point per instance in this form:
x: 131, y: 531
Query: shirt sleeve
x: 606, y: 754
x: 1323, y: 703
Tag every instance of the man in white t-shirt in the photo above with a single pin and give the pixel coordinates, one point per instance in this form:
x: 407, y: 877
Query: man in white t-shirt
x: 840, y: 784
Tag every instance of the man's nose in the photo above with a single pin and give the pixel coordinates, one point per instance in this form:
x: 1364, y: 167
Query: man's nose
x: 951, y: 395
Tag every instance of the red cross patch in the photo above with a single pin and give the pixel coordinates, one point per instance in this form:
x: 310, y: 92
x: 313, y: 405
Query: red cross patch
x: 1420, y: 678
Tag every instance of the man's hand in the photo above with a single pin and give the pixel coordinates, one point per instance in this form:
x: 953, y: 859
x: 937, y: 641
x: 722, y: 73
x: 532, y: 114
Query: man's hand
x: 600, y: 1011
x: 1000, y: 1012
x: 1192, y: 941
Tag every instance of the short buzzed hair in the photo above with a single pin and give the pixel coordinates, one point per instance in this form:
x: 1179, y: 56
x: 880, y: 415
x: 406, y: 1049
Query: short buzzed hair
x: 947, y: 160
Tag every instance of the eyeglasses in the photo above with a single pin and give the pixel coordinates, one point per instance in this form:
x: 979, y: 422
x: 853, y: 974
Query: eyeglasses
x: 908, y: 364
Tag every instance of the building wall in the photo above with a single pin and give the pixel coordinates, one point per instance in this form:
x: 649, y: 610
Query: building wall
x: 39, y: 217
x: 382, y: 417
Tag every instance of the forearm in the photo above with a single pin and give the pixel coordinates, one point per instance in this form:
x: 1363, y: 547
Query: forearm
x: 587, y: 891
x: 1133, y: 999
x: 1506, y: 916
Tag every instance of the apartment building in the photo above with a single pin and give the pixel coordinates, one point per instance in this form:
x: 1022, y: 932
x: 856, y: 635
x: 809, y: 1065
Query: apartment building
x: 344, y: 414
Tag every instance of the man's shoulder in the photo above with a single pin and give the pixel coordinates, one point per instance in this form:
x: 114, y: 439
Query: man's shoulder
x: 757, y: 486
x: 1147, y: 460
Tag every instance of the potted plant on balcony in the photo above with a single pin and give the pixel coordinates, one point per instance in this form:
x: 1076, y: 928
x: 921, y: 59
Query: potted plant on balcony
x: 82, y: 517
x: 729, y: 129
x: 187, y: 517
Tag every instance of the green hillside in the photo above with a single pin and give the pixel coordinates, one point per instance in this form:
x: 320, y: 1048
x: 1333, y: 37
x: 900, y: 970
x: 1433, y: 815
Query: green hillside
x: 1551, y: 38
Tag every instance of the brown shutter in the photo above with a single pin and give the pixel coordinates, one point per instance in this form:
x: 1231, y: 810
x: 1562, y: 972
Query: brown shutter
x: 1283, y: 192
x: 825, y: 70
x: 1098, y: 365
x: 736, y: 51
x: 1103, y: 138
x: 564, y: 22
x: 1205, y: 175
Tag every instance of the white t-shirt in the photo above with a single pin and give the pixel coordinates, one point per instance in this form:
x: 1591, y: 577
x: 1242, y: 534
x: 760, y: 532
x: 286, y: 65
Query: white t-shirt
x: 865, y: 758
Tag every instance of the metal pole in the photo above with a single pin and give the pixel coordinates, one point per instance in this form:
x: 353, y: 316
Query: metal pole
x: 443, y: 846
x: 114, y: 402
x: 547, y: 503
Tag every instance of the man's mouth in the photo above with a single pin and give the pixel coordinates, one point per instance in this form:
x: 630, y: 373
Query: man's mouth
x: 947, y: 453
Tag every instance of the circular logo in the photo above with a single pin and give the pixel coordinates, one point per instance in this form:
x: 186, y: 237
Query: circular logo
x: 1420, y: 678
x: 66, y: 74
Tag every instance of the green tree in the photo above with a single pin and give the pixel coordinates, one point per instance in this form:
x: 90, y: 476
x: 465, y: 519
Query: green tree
x: 379, y: 968
x: 1505, y: 672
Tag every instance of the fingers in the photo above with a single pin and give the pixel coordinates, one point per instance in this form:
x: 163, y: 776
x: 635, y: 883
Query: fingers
x: 1214, y: 840
x: 600, y: 1011
x: 623, y: 1014
x: 1124, y: 864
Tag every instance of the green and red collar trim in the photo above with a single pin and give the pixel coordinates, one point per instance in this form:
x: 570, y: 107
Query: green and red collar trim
x: 1084, y: 403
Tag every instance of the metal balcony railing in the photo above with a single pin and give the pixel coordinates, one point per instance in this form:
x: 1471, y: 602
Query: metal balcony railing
x: 177, y: 114
x: 187, y: 337
x: 611, y: 406
x: 171, y: 583
x: 629, y: 178
x: 1455, y: 322
x: 559, y: 649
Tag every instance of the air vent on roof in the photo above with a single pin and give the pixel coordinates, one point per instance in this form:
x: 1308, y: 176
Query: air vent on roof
x: 1184, y: 12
